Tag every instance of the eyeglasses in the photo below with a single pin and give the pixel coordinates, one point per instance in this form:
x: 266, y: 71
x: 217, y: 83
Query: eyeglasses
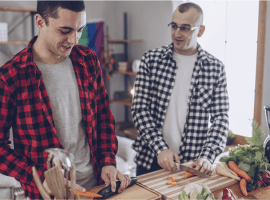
x: 184, y: 29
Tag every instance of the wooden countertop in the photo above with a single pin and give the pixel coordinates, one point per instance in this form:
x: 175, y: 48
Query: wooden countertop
x: 140, y: 192
x: 259, y: 193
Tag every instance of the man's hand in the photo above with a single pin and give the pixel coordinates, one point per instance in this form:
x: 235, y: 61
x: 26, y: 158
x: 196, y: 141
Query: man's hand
x: 203, y: 165
x: 166, y: 159
x: 109, y: 174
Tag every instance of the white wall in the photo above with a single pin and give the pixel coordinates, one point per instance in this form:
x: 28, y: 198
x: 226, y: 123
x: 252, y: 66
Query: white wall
x: 266, y: 78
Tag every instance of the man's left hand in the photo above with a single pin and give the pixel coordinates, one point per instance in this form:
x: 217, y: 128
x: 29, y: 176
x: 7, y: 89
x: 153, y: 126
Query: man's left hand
x: 110, y: 174
x: 203, y: 165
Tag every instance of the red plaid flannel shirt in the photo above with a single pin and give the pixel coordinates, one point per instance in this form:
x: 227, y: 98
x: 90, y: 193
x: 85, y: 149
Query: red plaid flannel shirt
x: 25, y: 106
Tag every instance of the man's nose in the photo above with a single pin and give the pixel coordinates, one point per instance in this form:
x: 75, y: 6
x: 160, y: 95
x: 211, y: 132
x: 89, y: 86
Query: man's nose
x: 73, y: 38
x: 178, y: 32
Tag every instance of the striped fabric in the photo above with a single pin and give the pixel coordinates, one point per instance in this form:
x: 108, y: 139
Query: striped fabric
x: 25, y: 106
x: 208, y: 98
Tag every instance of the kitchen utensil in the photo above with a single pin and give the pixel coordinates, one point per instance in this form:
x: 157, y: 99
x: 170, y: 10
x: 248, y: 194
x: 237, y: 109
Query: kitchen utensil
x: 266, y: 143
x: 193, y: 171
x: 55, y: 181
x: 60, y: 157
x: 40, y: 187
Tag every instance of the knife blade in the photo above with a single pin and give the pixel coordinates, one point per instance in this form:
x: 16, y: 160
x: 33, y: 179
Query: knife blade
x: 193, y: 171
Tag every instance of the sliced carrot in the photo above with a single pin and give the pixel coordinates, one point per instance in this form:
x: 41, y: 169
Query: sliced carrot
x: 173, y: 179
x: 173, y: 184
x: 169, y: 182
x: 87, y: 194
x: 188, y: 174
x: 168, y: 177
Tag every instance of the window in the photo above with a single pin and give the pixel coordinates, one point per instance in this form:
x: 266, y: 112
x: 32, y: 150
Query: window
x: 231, y: 36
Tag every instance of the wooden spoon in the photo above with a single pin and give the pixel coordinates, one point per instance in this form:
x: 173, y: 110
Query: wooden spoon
x: 40, y: 187
x: 55, y: 181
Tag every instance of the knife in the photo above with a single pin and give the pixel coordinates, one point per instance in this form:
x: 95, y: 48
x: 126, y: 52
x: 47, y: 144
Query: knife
x: 193, y: 171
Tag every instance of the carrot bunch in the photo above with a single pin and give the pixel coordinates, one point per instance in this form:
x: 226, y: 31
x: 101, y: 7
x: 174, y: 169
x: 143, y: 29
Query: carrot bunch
x: 234, y: 167
x: 245, y: 177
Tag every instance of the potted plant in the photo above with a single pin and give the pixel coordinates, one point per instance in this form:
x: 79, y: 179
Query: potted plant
x: 230, y: 138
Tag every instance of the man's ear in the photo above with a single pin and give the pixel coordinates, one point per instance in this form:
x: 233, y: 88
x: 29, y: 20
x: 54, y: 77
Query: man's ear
x: 201, y: 31
x: 40, y: 22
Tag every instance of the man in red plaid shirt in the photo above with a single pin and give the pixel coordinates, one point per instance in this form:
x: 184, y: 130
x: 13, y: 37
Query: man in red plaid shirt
x: 53, y: 96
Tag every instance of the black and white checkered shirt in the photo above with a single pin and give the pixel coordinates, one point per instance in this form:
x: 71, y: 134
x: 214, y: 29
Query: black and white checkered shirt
x: 208, y: 99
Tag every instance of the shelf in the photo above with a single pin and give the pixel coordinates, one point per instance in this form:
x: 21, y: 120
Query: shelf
x: 15, y: 42
x: 127, y: 129
x: 125, y: 102
x: 18, y: 9
x: 125, y: 72
x: 124, y: 41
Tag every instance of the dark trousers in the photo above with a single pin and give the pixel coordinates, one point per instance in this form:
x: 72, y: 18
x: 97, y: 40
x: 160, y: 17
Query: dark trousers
x: 142, y: 170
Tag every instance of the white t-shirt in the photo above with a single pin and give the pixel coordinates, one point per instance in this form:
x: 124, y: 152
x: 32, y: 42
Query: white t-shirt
x: 178, y: 106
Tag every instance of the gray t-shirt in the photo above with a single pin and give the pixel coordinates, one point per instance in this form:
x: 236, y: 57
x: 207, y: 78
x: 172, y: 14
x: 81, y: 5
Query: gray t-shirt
x: 62, y: 87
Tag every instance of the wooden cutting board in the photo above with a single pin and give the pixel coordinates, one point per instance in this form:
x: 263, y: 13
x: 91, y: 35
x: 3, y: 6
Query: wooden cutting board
x: 158, y: 181
x: 137, y: 191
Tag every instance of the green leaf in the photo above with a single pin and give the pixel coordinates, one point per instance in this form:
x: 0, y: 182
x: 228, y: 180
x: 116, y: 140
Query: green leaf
x: 204, y: 191
x: 257, y: 135
x: 244, y: 166
x: 182, y: 195
x: 251, y: 172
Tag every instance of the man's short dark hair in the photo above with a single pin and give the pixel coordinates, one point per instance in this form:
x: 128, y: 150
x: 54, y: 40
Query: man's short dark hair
x: 49, y: 8
x: 186, y: 6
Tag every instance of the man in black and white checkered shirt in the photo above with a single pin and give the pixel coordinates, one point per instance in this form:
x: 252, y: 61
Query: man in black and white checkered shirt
x: 181, y: 104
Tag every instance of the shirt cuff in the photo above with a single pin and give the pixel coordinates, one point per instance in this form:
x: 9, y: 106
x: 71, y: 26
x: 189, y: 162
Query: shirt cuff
x: 107, y: 159
x: 158, y: 145
x: 208, y: 154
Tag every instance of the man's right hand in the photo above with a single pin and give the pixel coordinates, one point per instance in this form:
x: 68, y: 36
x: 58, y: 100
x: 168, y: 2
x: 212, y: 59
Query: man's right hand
x: 166, y: 159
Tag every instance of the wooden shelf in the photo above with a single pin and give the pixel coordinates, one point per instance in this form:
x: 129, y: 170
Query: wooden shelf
x: 15, y: 42
x: 125, y: 102
x: 127, y: 129
x: 124, y: 41
x: 126, y: 73
x: 18, y: 9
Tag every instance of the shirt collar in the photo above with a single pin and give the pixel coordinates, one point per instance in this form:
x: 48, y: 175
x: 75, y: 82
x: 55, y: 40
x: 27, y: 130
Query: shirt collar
x: 27, y: 58
x: 201, y: 52
x: 28, y: 51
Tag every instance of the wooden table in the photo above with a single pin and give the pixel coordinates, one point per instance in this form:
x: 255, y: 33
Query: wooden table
x: 259, y: 193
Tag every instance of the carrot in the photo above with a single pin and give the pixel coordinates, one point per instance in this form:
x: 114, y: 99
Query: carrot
x: 173, y: 184
x: 233, y: 166
x: 188, y: 174
x: 169, y: 182
x: 168, y: 177
x: 226, y: 166
x: 221, y: 170
x: 243, y: 186
x: 87, y: 194
x: 173, y: 179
